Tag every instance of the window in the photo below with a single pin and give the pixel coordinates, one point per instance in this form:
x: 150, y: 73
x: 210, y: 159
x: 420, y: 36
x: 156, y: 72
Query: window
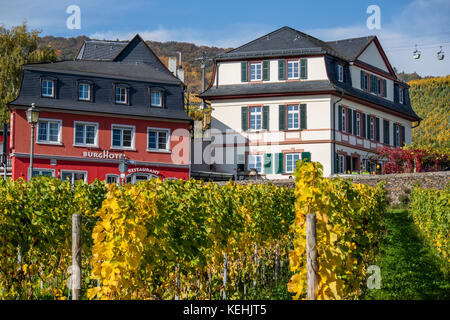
x: 401, y: 92
x: 386, y: 131
x: 121, y: 95
x: 84, y: 91
x: 256, y: 71
x: 358, y: 124
x: 292, y: 117
x: 291, y: 160
x: 255, y: 118
x: 158, y: 139
x: 344, y: 119
x: 112, y: 179
x: 123, y: 137
x: 156, y: 98
x: 255, y: 162
x: 341, y: 164
x: 47, y: 88
x: 379, y: 86
x: 86, y: 134
x: 365, y: 81
x: 372, y: 128
x: 340, y: 69
x: 49, y: 131
x: 43, y: 172
x: 293, y: 69
x: 73, y: 176
x: 397, y: 135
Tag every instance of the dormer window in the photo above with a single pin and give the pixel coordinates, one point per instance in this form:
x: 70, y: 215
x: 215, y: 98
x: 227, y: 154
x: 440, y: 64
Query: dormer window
x: 401, y: 95
x: 256, y: 71
x: 340, y: 69
x: 156, y: 98
x: 121, y: 94
x: 84, y: 91
x: 48, y: 88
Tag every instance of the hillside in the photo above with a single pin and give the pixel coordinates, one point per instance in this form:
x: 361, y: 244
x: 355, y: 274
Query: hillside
x: 67, y: 48
x: 430, y: 99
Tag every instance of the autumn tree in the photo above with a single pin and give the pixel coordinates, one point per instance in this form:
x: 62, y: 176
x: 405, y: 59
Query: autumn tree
x: 17, y: 47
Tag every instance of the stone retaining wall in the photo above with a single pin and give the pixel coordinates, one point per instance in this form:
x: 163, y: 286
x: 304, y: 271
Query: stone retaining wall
x: 396, y: 184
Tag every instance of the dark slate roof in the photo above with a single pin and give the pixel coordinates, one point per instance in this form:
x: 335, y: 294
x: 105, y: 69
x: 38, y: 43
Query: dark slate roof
x: 282, y: 42
x: 100, y: 50
x: 263, y: 88
x: 117, y: 70
x: 351, y: 48
x: 102, y: 107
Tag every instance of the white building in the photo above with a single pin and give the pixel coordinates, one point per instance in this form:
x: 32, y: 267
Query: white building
x: 287, y: 95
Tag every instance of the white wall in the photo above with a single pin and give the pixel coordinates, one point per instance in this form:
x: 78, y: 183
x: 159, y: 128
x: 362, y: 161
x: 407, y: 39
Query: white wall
x: 373, y: 57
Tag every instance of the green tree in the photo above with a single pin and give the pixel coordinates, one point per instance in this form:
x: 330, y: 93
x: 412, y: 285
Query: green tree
x: 18, y: 47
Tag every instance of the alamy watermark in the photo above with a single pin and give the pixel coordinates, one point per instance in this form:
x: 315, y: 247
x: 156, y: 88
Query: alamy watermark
x: 74, y: 20
x: 374, y: 281
x: 374, y: 20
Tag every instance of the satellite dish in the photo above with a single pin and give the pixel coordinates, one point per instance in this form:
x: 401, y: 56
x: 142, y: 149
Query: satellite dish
x: 416, y: 53
x: 440, y: 54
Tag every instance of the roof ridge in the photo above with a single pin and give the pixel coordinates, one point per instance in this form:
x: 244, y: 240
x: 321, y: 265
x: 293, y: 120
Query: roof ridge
x: 356, y: 38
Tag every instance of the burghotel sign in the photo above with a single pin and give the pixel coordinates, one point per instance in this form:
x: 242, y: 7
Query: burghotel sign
x: 105, y: 154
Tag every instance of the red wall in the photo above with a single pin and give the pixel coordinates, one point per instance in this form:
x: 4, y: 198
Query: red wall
x: 21, y: 135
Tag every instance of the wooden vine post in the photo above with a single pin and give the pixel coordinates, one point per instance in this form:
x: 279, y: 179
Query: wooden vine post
x: 76, y: 256
x: 311, y: 256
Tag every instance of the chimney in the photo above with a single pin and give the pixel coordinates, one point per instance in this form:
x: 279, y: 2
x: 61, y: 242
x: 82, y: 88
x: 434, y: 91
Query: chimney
x: 176, y: 69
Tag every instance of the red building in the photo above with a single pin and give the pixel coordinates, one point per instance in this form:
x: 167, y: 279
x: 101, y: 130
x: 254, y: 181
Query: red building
x: 115, y: 99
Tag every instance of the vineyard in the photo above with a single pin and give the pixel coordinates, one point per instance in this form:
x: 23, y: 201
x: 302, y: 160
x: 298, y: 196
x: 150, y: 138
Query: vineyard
x: 194, y: 240
x: 430, y: 99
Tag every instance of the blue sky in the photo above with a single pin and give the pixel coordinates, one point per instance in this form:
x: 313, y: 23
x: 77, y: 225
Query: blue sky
x: 231, y: 23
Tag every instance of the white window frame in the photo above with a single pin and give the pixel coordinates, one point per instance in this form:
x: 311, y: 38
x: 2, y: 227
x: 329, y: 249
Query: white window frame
x: 255, y: 157
x: 293, y: 62
x: 126, y: 94
x: 358, y: 124
x: 75, y: 123
x: 44, y: 169
x: 344, y: 119
x: 48, y: 131
x: 293, y: 113
x: 340, y: 69
x: 341, y: 163
x: 74, y: 171
x: 160, y: 98
x: 53, y: 88
x: 133, y: 136
x: 116, y: 176
x: 397, y: 135
x: 80, y: 84
x: 371, y: 128
x: 158, y: 130
x: 255, y: 114
x: 257, y: 65
x: 286, y: 161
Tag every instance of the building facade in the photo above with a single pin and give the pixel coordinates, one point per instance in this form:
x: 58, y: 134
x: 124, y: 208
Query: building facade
x: 288, y: 96
x: 115, y: 99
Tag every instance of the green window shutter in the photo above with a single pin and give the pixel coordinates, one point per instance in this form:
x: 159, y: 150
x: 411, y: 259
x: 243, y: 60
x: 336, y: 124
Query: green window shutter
x: 402, y: 131
x: 349, y: 120
x: 340, y: 118
x: 266, y: 70
x: 336, y: 163
x: 303, y: 116
x: 394, y: 135
x: 362, y: 80
x: 354, y: 122
x: 244, y: 118
x: 384, y: 88
x: 377, y: 129
x: 306, y: 156
x: 281, y: 117
x: 281, y: 70
x: 279, y: 163
x: 268, y: 163
x: 265, y: 124
x: 348, y: 163
x: 244, y: 71
x: 364, y: 131
x: 304, y: 68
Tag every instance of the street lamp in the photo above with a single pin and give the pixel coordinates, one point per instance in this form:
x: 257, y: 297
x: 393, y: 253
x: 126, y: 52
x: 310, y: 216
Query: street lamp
x: 32, y: 118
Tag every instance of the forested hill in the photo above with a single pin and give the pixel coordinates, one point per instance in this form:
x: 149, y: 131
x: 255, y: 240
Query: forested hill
x: 67, y: 48
x: 430, y: 99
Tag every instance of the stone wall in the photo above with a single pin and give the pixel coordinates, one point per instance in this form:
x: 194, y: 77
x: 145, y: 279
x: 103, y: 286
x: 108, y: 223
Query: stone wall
x: 396, y: 184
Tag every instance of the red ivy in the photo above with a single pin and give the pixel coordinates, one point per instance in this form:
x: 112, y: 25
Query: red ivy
x: 401, y: 160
